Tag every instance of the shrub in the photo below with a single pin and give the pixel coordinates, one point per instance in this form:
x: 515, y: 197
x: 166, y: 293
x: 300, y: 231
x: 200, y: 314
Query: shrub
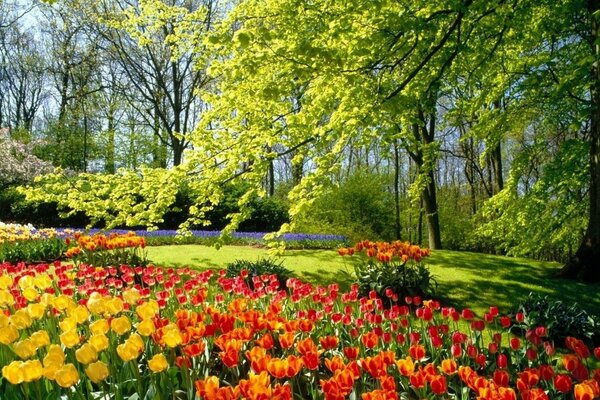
x: 560, y: 320
x: 393, y: 270
x: 249, y: 270
x: 361, y: 207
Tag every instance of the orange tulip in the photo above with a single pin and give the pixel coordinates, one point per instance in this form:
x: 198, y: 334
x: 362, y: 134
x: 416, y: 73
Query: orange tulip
x: 448, y: 366
x: 406, y: 366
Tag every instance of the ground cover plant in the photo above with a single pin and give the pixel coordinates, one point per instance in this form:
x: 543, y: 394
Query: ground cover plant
x: 84, y: 332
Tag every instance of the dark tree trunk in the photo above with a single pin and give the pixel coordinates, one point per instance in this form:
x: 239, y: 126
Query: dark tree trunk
x: 397, y: 225
x: 496, y: 161
x: 585, y: 263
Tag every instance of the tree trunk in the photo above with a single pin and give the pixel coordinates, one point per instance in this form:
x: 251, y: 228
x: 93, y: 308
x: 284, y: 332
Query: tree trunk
x: 496, y: 161
x: 397, y: 225
x: 431, y: 213
x: 585, y: 263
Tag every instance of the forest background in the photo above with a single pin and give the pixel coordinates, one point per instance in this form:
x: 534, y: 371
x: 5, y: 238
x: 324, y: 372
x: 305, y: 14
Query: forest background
x: 469, y: 125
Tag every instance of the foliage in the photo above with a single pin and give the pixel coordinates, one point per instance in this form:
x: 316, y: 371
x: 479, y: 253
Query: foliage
x: 545, y: 218
x: 359, y: 207
x: 201, y: 334
x: 128, y: 198
x: 32, y: 250
x: 108, y: 250
x: 256, y: 272
x: 560, y: 319
x: 392, y: 270
x: 14, y: 207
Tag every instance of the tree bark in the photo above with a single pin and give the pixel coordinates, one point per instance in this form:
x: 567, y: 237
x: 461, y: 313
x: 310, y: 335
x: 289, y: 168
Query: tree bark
x: 397, y: 225
x: 585, y: 263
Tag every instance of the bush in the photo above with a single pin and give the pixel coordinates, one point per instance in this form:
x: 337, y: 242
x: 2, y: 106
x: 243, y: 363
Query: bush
x: 393, y: 270
x: 361, y: 207
x: 561, y: 320
x: 263, y: 266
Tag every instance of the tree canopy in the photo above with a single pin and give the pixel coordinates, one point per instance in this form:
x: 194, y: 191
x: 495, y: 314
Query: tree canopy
x: 311, y: 84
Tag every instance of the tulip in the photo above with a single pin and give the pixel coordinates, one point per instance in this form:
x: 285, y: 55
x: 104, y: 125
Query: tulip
x: 438, y: 384
x: 120, y: 325
x: 13, y: 372
x: 563, y: 383
x: 25, y: 348
x: 86, y: 354
x: 97, y: 371
x: 67, y: 376
x: 99, y: 327
x: 158, y: 363
x: 448, y: 366
x: 69, y: 338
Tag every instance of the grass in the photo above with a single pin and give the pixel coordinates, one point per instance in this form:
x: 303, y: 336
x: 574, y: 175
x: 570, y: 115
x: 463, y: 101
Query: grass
x: 465, y: 279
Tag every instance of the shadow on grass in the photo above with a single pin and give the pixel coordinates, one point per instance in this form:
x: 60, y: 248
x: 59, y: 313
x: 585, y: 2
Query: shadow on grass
x: 496, y: 280
x: 325, y: 277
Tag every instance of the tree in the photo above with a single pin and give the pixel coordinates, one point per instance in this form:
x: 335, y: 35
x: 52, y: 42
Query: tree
x: 146, y: 39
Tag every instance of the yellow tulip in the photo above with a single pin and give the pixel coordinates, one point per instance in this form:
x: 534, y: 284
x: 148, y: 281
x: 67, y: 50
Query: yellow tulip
x: 13, y: 372
x: 32, y: 370
x: 3, y: 320
x: 99, y: 327
x: 120, y: 325
x: 147, y: 310
x: 63, y: 303
x: 114, y: 306
x: 8, y: 334
x: 24, y: 349
x: 67, y: 376
x: 40, y: 339
x: 26, y: 282
x: 6, y: 299
x: 96, y: 303
x: 79, y: 314
x: 136, y: 341
x: 47, y: 299
x: 5, y: 282
x: 30, y: 294
x: 36, y: 310
x: 97, y: 371
x: 54, y: 356
x: 43, y: 281
x: 146, y: 327
x: 69, y: 338
x: 67, y: 324
x: 158, y: 363
x: 20, y: 319
x: 172, y: 335
x: 131, y: 296
x: 99, y: 341
x: 127, y: 351
x: 86, y: 354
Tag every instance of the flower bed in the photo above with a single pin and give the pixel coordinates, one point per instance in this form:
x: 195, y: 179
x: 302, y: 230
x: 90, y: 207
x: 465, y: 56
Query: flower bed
x: 85, y: 332
x: 164, y: 237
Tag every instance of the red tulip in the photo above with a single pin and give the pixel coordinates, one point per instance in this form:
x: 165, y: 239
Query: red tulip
x: 438, y: 384
x: 563, y: 383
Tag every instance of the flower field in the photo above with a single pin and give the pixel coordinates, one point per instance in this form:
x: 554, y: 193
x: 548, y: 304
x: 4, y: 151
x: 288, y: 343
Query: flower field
x: 85, y: 332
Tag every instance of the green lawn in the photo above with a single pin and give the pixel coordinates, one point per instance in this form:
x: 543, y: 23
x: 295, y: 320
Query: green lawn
x: 465, y: 279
